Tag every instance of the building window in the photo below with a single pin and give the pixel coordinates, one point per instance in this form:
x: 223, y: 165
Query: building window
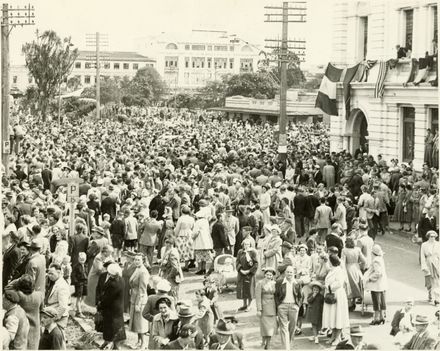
x: 77, y: 64
x: 209, y: 47
x: 209, y: 62
x: 435, y: 34
x: 171, y: 46
x: 87, y: 79
x: 220, y: 48
x: 14, y: 79
x: 409, y: 14
x: 88, y: 65
x: 135, y: 66
x: 198, y: 47
x: 231, y: 63
x: 434, y: 119
x: 408, y: 133
x: 231, y: 48
x: 187, y: 47
x: 106, y: 65
x: 171, y: 62
x: 186, y: 62
x: 116, y: 66
x: 125, y: 65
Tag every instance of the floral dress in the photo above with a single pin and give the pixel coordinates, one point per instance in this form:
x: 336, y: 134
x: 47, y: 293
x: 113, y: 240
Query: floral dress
x: 184, y: 242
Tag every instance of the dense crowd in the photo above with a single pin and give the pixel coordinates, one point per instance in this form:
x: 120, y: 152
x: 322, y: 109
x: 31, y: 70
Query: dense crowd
x: 164, y: 192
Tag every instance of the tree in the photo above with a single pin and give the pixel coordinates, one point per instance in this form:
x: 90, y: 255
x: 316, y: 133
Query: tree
x: 73, y: 83
x: 109, y: 91
x: 49, y: 60
x: 295, y: 77
x: 146, y: 87
x: 314, y: 83
x: 213, y: 94
x: 250, y: 85
x: 30, y: 98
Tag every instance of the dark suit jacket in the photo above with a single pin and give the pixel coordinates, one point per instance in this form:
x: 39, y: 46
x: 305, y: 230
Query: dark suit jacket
x: 218, y: 235
x: 229, y: 346
x: 317, y: 177
x: 46, y: 174
x: 77, y: 243
x: 280, y: 292
x: 108, y: 205
x: 11, y: 258
x: 395, y: 322
x: 425, y: 342
x: 334, y: 240
x: 425, y: 225
x: 355, y: 184
x: 312, y: 202
x: 300, y: 204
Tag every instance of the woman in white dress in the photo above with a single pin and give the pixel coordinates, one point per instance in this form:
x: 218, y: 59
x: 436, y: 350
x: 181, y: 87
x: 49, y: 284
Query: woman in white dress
x: 264, y: 199
x: 183, y: 234
x: 335, y: 316
x: 430, y: 264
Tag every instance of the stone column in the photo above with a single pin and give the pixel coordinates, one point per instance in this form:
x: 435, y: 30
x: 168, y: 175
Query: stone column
x: 336, y: 144
x: 420, y: 125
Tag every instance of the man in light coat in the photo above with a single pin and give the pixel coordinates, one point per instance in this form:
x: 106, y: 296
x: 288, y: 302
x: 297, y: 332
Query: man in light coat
x: 340, y: 214
x: 328, y: 174
x: 323, y: 215
x: 36, y: 267
x: 58, y: 295
x: 365, y: 243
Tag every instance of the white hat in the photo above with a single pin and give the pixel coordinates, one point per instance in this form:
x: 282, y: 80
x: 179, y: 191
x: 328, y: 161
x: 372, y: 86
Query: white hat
x: 164, y: 285
x: 114, y: 269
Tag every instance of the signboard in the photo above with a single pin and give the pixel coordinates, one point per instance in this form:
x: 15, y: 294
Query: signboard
x: 72, y: 192
x: 282, y: 140
x: 6, y: 147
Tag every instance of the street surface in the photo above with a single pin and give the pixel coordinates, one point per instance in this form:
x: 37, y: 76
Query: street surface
x: 405, y: 279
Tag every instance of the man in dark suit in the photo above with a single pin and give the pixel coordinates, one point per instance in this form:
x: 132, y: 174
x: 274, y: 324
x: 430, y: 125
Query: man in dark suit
x: 46, y: 175
x: 79, y: 242
x: 312, y: 202
x: 426, y: 224
x: 288, y: 300
x: 333, y: 239
x: 317, y: 175
x: 422, y: 339
x: 11, y: 257
x: 223, y: 333
x: 300, y: 211
x: 355, y: 183
x: 108, y: 205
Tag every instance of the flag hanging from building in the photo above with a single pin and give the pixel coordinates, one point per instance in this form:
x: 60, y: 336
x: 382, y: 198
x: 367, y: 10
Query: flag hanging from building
x: 326, y: 98
x: 379, y: 88
x: 348, y: 78
x: 423, y: 72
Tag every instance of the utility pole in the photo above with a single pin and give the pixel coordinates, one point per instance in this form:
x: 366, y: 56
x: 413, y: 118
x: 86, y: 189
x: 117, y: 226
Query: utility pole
x: 297, y: 11
x: 97, y: 41
x: 11, y: 17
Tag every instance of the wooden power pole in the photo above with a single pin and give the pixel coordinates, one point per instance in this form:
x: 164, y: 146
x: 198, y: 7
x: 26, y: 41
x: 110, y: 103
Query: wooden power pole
x: 97, y: 41
x: 11, y: 17
x: 297, y: 11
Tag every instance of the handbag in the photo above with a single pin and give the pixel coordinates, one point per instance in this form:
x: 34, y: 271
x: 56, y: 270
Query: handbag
x: 99, y: 322
x: 330, y: 298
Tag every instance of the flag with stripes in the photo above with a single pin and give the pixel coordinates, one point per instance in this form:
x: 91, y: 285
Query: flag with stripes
x: 326, y: 98
x: 348, y: 78
x: 379, y: 87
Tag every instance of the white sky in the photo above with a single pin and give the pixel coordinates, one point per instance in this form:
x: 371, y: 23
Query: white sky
x: 124, y: 21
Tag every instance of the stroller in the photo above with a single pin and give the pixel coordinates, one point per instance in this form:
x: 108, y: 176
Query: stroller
x: 224, y: 271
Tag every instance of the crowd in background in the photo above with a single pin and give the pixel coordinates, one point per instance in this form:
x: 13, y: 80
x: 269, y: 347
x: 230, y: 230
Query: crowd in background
x: 165, y: 192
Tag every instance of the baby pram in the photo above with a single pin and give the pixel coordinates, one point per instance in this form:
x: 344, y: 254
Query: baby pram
x: 225, y: 272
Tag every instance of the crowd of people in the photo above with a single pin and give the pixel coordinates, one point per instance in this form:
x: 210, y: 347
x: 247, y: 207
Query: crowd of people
x: 166, y: 192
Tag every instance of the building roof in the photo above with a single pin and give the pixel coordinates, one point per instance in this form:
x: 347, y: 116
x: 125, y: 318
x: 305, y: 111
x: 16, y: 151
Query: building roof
x: 266, y: 112
x: 114, y: 56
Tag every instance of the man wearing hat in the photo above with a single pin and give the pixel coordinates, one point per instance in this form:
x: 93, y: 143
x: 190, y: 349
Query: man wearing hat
x: 356, y: 336
x: 422, y: 339
x: 300, y: 212
x: 223, y: 333
x: 288, y: 256
x: 15, y: 321
x: 36, y: 267
x: 232, y: 228
x: 333, y: 239
x: 11, y: 256
x: 52, y: 337
x: 186, y: 317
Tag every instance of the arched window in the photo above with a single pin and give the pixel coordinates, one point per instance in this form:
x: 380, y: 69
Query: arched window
x: 246, y: 48
x: 171, y: 46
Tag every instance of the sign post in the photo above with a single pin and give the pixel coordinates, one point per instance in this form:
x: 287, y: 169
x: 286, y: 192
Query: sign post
x: 72, y: 199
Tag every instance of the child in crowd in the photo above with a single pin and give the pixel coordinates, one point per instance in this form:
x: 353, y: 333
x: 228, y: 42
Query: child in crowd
x: 205, y: 315
x: 315, y: 307
x: 66, y: 268
x: 105, y: 224
x: 402, y: 327
x: 211, y: 292
x: 79, y: 281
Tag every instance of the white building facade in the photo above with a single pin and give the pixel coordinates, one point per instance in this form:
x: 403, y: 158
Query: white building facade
x: 189, y: 60
x: 396, y: 124
x: 114, y: 64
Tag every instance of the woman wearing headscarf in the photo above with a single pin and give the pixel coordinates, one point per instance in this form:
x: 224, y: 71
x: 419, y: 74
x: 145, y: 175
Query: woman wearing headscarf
x: 138, y: 298
x: 266, y: 308
x: 111, y: 305
x: 31, y: 301
x: 97, y: 268
x: 375, y: 281
x: 247, y: 265
x: 183, y: 233
x: 202, y: 241
x: 430, y: 264
x: 171, y: 271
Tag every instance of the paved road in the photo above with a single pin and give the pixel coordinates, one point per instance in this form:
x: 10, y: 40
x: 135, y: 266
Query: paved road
x: 404, y: 277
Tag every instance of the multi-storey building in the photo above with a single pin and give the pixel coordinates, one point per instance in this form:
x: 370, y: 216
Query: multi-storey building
x: 396, y: 124
x: 189, y: 61
x: 114, y: 64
